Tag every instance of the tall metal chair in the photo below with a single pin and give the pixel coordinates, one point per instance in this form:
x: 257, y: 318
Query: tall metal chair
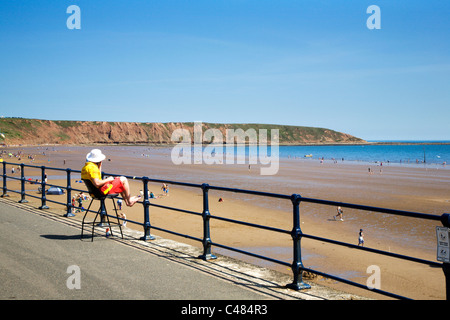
x: 97, y: 195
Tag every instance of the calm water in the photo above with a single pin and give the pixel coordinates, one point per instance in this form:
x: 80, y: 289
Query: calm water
x: 425, y: 152
x: 393, y: 153
x: 432, y: 152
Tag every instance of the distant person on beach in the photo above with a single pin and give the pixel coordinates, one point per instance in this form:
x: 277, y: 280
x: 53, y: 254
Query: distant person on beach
x: 165, y: 189
x: 339, y: 215
x: 92, y: 170
x: 151, y: 195
x: 361, y: 238
x: 80, y: 199
x: 123, y: 216
x: 73, y: 204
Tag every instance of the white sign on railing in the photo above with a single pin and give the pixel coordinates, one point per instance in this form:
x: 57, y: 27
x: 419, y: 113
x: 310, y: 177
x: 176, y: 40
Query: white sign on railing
x: 443, y: 244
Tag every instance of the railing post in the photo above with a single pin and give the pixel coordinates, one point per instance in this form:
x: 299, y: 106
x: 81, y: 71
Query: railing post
x: 296, y: 234
x: 43, y: 184
x: 22, y: 185
x: 146, y: 202
x: 206, y: 232
x: 69, y: 195
x: 5, y: 189
x: 445, y: 219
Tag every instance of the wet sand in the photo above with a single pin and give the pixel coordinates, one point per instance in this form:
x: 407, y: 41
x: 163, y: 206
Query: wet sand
x: 411, y: 188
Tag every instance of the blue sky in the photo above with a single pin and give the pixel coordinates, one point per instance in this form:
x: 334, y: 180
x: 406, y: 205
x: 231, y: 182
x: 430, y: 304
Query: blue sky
x: 310, y: 63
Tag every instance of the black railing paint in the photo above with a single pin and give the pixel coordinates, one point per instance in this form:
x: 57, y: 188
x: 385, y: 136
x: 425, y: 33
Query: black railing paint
x: 296, y: 232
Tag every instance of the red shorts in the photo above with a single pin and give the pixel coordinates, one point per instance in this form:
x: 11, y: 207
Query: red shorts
x: 115, y: 186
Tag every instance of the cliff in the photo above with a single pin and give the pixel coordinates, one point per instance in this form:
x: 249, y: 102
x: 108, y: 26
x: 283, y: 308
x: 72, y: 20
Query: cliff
x: 34, y: 132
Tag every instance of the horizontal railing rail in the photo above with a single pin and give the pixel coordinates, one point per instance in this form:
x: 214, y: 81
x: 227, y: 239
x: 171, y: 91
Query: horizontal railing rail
x: 296, y: 233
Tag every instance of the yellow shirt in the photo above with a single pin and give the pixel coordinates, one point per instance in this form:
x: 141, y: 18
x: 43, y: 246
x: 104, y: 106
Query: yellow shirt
x: 90, y: 171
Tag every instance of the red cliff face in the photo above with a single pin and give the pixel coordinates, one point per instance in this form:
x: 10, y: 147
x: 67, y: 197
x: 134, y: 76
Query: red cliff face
x: 35, y: 132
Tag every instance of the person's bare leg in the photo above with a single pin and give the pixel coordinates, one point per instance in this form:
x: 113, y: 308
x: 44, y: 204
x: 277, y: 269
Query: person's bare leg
x: 129, y: 200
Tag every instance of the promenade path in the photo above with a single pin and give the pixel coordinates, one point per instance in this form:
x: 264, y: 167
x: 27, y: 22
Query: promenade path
x: 39, y: 248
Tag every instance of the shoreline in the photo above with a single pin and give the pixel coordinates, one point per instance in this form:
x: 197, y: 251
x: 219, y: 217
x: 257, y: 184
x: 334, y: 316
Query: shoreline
x: 165, y: 147
x: 403, y: 188
x: 167, y: 144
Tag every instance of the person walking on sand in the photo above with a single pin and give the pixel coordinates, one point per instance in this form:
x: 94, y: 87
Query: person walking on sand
x: 361, y: 238
x: 339, y: 215
x: 92, y: 171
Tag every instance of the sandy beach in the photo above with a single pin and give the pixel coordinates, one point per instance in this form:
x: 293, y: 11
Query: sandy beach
x: 411, y: 188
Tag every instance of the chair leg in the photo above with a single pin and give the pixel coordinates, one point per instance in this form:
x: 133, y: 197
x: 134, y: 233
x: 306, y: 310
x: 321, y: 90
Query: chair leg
x: 99, y: 212
x: 102, y: 212
x: 93, y: 225
x: 118, y: 220
x: 84, y: 217
x: 109, y: 224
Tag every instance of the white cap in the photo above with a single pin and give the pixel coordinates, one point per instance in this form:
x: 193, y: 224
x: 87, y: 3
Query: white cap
x: 95, y: 155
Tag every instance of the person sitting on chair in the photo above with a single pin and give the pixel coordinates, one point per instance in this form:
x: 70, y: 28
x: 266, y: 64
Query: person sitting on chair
x: 92, y: 171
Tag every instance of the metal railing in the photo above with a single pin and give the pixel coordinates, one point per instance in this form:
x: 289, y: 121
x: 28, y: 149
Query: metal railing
x: 296, y: 233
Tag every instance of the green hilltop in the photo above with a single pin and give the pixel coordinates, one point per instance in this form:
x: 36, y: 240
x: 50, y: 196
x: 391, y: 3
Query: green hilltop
x: 35, y: 131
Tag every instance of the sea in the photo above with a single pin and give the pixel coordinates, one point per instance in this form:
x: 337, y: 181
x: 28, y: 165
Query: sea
x: 433, y: 152
x: 392, y: 152
x: 386, y: 151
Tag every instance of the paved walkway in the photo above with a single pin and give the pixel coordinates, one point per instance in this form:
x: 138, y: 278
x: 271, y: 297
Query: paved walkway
x: 41, y: 253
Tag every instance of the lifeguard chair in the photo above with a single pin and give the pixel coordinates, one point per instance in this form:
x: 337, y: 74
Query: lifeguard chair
x: 97, y: 195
